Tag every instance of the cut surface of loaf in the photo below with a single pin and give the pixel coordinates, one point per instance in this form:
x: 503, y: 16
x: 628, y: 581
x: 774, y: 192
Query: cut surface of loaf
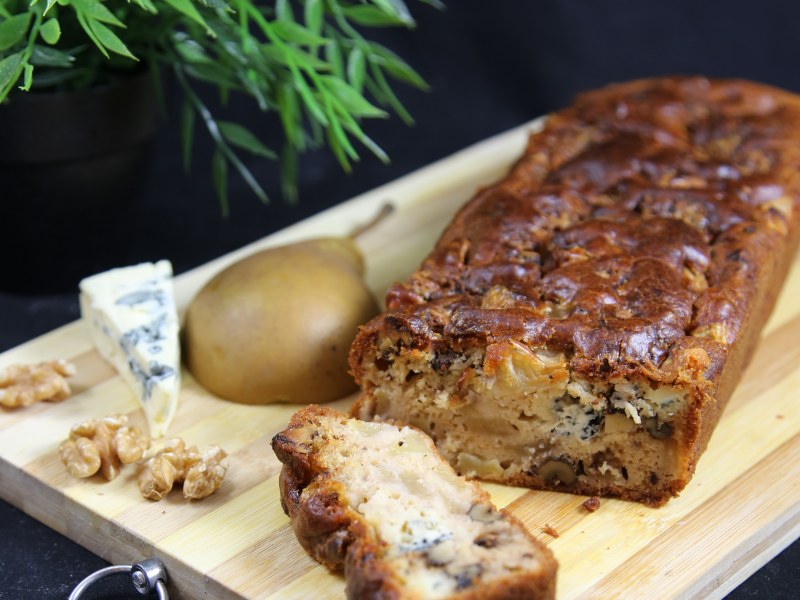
x: 379, y: 501
x: 580, y: 325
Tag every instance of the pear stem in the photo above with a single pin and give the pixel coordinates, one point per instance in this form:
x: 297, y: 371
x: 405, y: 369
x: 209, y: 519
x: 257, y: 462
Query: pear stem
x: 385, y: 211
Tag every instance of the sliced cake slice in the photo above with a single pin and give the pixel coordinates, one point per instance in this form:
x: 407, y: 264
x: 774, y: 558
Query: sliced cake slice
x: 379, y: 501
x: 134, y: 324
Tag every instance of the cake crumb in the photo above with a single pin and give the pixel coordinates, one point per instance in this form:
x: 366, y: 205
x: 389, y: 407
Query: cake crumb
x: 549, y: 530
x: 592, y: 504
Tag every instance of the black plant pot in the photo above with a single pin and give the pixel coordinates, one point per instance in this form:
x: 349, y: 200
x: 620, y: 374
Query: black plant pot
x: 71, y: 165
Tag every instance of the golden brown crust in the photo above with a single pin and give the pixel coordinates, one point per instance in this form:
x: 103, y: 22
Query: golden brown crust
x: 320, y: 523
x: 337, y: 535
x: 645, y: 233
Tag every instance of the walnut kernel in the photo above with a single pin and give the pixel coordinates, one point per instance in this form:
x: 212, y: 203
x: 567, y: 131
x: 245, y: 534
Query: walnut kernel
x: 553, y: 471
x: 24, y: 384
x: 205, y: 476
x: 102, y: 445
x: 201, y: 473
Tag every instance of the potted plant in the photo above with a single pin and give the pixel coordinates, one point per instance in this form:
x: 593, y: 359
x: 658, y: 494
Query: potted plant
x: 308, y: 62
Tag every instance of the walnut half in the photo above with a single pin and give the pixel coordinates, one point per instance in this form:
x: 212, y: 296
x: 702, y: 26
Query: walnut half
x: 24, y: 384
x: 102, y: 445
x: 201, y: 473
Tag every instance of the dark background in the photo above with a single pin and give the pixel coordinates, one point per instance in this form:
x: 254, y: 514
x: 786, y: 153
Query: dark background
x: 491, y: 65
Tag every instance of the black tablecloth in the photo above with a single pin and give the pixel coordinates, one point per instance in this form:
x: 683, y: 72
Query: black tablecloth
x: 492, y: 66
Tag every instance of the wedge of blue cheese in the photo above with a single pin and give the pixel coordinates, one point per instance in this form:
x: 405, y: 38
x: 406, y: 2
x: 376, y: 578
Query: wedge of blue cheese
x: 134, y: 324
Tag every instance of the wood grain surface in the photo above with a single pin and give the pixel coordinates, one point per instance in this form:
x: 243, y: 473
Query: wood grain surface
x: 741, y: 508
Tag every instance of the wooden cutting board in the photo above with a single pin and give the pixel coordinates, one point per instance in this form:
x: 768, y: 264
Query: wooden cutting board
x: 742, y: 507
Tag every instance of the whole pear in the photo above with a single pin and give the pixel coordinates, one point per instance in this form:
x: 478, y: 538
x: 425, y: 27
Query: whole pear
x: 277, y: 326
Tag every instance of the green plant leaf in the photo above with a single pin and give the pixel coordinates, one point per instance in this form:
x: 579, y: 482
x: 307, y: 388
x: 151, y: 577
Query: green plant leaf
x: 44, y: 56
x: 289, y: 173
x: 290, y: 115
x: 50, y: 31
x: 314, y: 138
x: 285, y: 54
x: 381, y: 89
x: 13, y: 30
x: 228, y: 40
x: 337, y: 149
x: 187, y: 133
x: 356, y: 68
x: 283, y: 10
x: 192, y: 52
x: 307, y: 95
x: 146, y: 5
x: 274, y: 53
x: 297, y: 34
x: 9, y: 72
x: 53, y: 77
x: 86, y: 24
x: 370, y: 16
x: 351, y: 99
x: 339, y: 134
x: 188, y: 9
x: 398, y: 8
x: 351, y: 125
x: 375, y: 148
x: 211, y: 73
x: 224, y: 94
x: 242, y: 138
x: 368, y: 142
x: 252, y: 83
x: 222, y: 146
x: 96, y: 11
x: 50, y: 4
x: 110, y: 40
x: 218, y: 5
x: 334, y: 57
x: 314, y: 15
x: 397, y: 67
x: 219, y: 173
x: 27, y: 78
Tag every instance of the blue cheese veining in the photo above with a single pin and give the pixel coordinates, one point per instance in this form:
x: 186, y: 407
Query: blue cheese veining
x: 134, y: 325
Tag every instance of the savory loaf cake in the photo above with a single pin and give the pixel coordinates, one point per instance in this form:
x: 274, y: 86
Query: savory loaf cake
x: 580, y: 325
x: 380, y: 502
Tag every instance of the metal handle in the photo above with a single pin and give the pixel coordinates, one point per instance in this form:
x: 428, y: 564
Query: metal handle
x: 148, y: 576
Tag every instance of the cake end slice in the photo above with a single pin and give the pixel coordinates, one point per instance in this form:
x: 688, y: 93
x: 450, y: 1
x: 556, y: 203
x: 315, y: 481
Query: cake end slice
x: 378, y: 501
